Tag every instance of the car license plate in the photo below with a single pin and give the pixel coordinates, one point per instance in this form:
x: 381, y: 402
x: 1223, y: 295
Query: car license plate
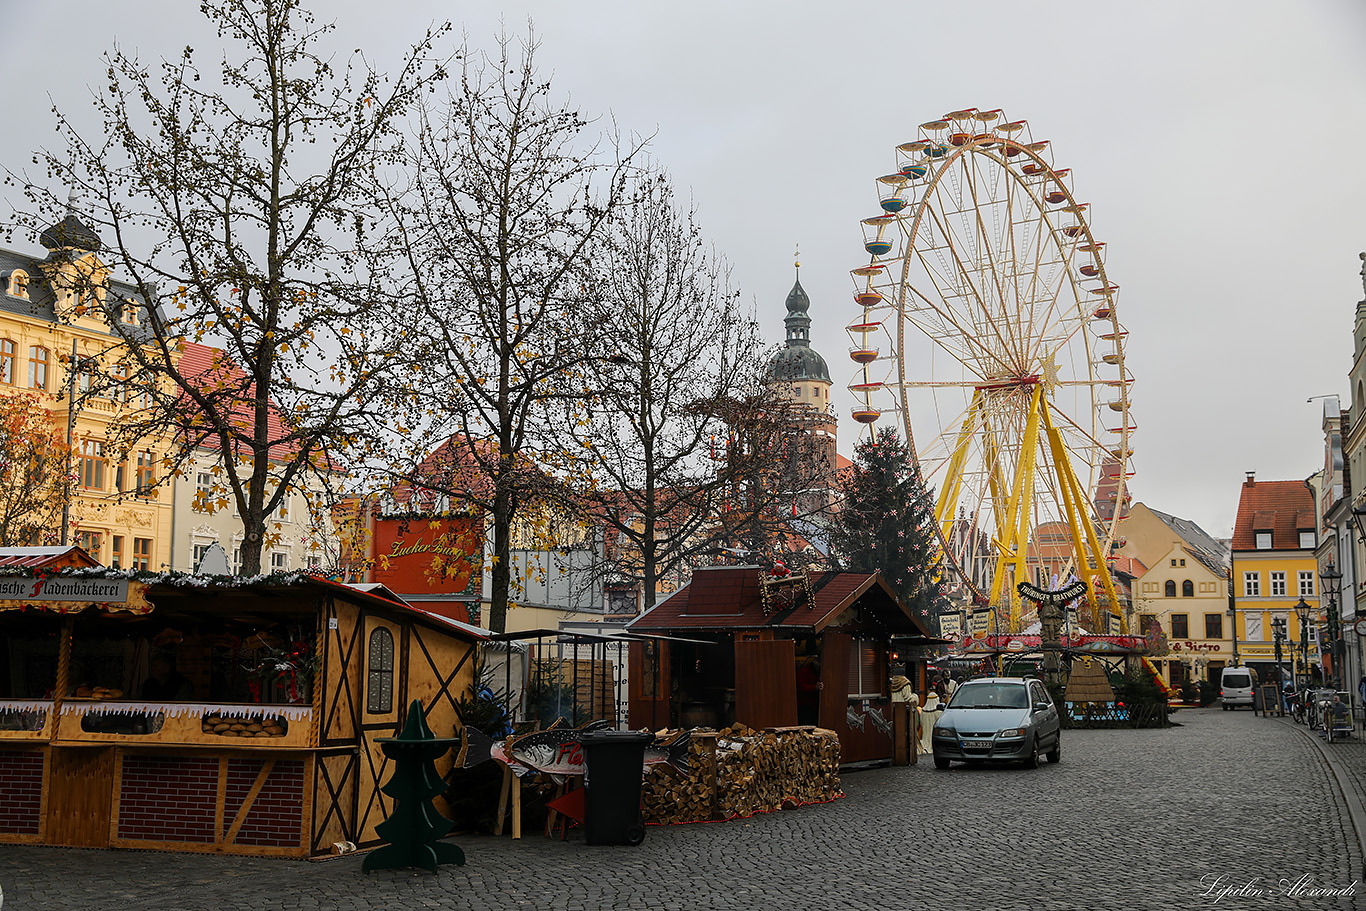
x: 977, y: 744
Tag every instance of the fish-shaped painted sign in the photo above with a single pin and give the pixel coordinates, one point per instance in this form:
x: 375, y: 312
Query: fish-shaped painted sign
x: 559, y: 752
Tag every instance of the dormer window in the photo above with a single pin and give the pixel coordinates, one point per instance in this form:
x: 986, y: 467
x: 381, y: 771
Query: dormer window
x: 18, y: 284
x: 1263, y: 540
x: 1307, y: 540
x: 129, y: 313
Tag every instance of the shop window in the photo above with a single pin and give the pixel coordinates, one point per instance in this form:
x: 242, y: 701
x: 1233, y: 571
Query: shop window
x: 92, y: 464
x: 1188, y: 589
x: 37, y: 367
x: 864, y: 680
x: 116, y: 552
x: 1180, y: 626
x: 18, y: 284
x: 379, y: 687
x: 1177, y: 675
x: 7, y: 354
x: 1214, y: 626
x: 142, y: 553
x: 1169, y: 588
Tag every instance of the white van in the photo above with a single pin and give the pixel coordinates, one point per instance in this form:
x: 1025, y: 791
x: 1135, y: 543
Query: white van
x: 1235, y: 687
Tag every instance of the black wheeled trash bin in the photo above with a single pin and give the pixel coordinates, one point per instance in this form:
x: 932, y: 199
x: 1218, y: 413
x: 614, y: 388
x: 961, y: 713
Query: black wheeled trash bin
x: 614, y: 766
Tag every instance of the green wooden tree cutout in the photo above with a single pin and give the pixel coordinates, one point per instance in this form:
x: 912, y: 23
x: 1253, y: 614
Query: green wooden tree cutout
x: 414, y: 826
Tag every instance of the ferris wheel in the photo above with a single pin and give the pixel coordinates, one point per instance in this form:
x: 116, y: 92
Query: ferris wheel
x: 990, y: 329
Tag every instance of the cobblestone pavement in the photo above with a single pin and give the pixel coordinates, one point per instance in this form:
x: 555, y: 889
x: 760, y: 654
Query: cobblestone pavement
x: 1128, y: 820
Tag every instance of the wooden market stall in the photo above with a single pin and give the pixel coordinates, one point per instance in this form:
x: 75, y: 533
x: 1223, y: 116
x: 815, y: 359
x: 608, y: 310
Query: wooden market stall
x: 774, y: 637
x: 198, y: 713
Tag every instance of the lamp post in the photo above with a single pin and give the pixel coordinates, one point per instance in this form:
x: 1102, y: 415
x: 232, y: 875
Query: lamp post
x: 1303, y: 611
x: 1331, y: 580
x: 1278, y: 634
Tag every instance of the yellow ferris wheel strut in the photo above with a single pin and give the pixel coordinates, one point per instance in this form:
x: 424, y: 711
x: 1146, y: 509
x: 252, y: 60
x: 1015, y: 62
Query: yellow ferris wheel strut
x: 947, y: 505
x: 1011, y: 533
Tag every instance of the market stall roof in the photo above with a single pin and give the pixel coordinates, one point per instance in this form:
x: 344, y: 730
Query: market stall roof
x: 40, y: 557
x: 731, y: 597
x: 146, y: 590
x: 570, y: 635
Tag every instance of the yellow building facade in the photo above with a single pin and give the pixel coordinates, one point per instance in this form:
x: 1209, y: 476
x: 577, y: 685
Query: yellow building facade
x: 56, y: 346
x: 1274, y: 540
x: 1184, y: 589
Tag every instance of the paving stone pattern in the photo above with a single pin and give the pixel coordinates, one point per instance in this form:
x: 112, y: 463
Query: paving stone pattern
x: 1128, y: 820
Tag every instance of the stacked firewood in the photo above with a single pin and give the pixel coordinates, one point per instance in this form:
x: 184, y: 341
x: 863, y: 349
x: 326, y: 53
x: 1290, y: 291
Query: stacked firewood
x: 740, y: 771
x: 250, y: 726
x: 669, y: 797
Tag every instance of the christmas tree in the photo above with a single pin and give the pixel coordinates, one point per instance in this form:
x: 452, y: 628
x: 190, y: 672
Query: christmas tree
x: 886, y: 523
x: 414, y: 826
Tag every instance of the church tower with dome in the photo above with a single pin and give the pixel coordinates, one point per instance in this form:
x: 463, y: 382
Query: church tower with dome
x: 812, y: 441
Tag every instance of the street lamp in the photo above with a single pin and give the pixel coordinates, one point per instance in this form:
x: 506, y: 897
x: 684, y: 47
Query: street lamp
x: 1303, y: 612
x: 1278, y: 634
x: 1331, y: 580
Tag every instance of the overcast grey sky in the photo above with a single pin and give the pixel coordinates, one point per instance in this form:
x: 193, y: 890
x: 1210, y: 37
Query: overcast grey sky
x: 1219, y: 144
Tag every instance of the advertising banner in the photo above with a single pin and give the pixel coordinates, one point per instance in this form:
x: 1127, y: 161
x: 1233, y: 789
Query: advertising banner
x: 429, y: 556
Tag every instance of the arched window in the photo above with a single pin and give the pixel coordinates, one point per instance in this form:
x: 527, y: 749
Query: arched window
x: 18, y: 284
x: 379, y: 699
x: 1188, y: 589
x: 37, y: 367
x: 1169, y: 590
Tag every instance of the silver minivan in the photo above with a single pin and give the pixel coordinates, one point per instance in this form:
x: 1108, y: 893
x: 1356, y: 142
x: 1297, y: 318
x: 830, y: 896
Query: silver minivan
x: 1235, y: 687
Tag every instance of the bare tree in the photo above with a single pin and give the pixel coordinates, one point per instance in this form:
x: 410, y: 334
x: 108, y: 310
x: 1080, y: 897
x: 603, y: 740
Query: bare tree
x: 505, y: 201
x: 241, y: 202
x: 676, y: 354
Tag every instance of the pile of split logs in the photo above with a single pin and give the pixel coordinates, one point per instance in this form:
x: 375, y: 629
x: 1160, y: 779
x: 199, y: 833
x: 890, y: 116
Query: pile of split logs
x: 741, y: 771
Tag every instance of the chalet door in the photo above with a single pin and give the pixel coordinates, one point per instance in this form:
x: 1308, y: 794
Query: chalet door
x: 647, y: 686
x: 835, y: 677
x: 80, y: 795
x: 381, y: 703
x: 766, y: 683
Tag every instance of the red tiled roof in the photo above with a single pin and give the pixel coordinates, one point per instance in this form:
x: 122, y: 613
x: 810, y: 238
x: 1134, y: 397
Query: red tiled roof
x: 728, y: 597
x: 212, y: 366
x: 1284, y: 508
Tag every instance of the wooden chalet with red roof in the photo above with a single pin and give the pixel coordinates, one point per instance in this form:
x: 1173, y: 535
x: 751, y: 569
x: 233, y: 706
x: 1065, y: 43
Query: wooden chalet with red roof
x: 742, y: 639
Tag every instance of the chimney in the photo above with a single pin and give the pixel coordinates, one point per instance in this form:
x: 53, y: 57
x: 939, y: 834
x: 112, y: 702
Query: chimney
x: 1251, y: 478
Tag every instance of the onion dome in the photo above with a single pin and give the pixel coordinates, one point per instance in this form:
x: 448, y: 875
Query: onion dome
x: 70, y: 234
x: 798, y: 361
